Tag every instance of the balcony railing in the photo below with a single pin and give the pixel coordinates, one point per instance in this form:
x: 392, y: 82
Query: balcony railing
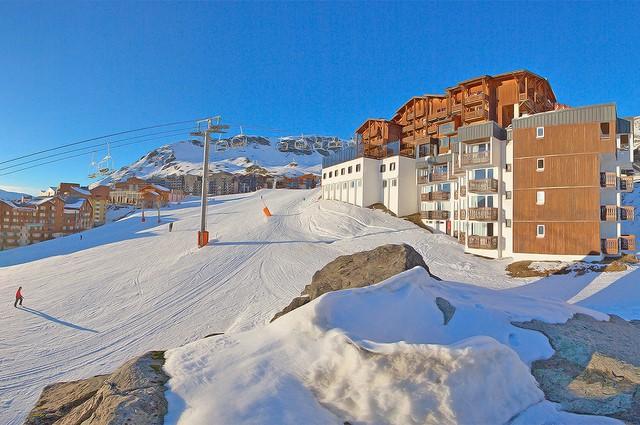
x: 435, y: 215
x: 610, y: 246
x: 473, y: 158
x: 627, y: 213
x: 462, y: 237
x: 455, y: 234
x: 474, y: 98
x: 609, y: 213
x: 483, y: 214
x: 626, y: 183
x: 628, y: 242
x: 475, y: 114
x: 455, y: 215
x: 441, y: 113
x: 463, y: 191
x: 437, y: 177
x: 432, y: 129
x: 456, y: 108
x: 423, y: 179
x: 435, y: 196
x: 522, y: 97
x: 483, y: 242
x: 608, y: 179
x: 463, y: 214
x: 483, y: 186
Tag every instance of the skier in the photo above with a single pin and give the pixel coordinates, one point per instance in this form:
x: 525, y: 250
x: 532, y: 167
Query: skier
x: 19, y: 297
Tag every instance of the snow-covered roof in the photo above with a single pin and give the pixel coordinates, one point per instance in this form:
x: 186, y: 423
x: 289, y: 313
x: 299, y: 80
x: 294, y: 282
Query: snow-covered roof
x: 81, y: 190
x: 40, y: 201
x: 161, y: 188
x: 74, y: 203
x: 8, y: 203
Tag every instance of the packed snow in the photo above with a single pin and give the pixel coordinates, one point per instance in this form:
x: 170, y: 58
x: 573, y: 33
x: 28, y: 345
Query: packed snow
x: 128, y: 287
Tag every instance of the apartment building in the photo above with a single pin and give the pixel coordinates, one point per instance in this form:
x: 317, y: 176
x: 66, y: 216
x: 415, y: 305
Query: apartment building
x: 499, y: 165
x: 127, y: 192
x: 99, y: 201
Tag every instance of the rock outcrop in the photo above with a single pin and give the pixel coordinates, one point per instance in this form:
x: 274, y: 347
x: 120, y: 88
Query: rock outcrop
x: 596, y: 366
x: 358, y: 270
x: 133, y: 394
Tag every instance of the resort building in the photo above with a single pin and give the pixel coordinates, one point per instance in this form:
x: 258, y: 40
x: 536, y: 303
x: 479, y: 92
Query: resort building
x: 498, y: 164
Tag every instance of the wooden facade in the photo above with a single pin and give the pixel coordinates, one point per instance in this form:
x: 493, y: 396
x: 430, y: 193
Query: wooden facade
x: 375, y: 134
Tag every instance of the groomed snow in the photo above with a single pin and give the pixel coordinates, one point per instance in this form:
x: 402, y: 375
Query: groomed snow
x: 128, y: 287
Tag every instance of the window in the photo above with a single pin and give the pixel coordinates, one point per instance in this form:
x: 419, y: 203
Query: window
x: 540, y: 197
x: 353, y: 184
x: 540, y: 231
x: 508, y: 194
x: 360, y: 183
x: 342, y: 172
x: 540, y: 164
x: 344, y: 185
x: 383, y: 168
x: 349, y: 169
x: 539, y: 132
x: 392, y: 166
x: 330, y: 174
x: 384, y: 183
x: 357, y: 168
x: 394, y: 182
x: 508, y: 223
x: 604, y: 130
x: 508, y: 168
x: 324, y: 176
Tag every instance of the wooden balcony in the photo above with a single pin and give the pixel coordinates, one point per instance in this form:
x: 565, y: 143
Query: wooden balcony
x: 483, y: 214
x: 628, y: 242
x: 455, y: 234
x: 522, y: 97
x: 475, y: 98
x: 432, y: 128
x: 609, y: 213
x: 455, y: 215
x: 463, y: 191
x: 626, y: 183
x: 423, y: 179
x: 463, y: 214
x: 435, y: 196
x: 627, y: 213
x: 476, y: 114
x: 456, y: 108
x: 474, y: 158
x: 462, y: 237
x: 435, y: 215
x: 483, y: 186
x: 438, y: 177
x: 608, y: 179
x: 483, y: 242
x: 609, y: 246
x: 455, y: 194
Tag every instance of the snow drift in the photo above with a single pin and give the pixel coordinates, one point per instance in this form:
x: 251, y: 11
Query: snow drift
x: 380, y: 354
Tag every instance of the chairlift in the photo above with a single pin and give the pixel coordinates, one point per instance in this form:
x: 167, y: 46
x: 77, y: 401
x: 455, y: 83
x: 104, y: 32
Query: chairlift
x: 301, y: 144
x: 93, y: 167
x: 105, y: 166
x: 221, y: 145
x: 283, y: 145
x: 240, y: 140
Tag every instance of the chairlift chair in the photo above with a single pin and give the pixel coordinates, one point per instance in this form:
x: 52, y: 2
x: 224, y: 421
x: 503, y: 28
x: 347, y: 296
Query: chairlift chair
x: 105, y: 166
x: 221, y: 145
x: 239, y: 140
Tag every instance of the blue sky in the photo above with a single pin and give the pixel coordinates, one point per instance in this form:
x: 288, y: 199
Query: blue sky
x: 75, y: 70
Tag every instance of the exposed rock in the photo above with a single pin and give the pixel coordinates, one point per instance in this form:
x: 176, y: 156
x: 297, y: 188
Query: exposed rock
x: 446, y: 308
x: 596, y: 366
x: 358, y: 270
x: 133, y: 394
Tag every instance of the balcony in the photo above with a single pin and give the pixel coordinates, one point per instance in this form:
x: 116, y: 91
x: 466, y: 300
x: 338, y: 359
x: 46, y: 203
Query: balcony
x: 455, y: 234
x: 456, y: 108
x: 474, y: 158
x: 522, y: 97
x: 475, y: 98
x: 628, y: 242
x: 432, y: 128
x: 435, y: 215
x: 627, y: 212
x: 476, y: 114
x: 435, y: 196
x: 609, y: 246
x: 609, y: 213
x: 455, y: 215
x: 463, y: 191
x: 626, y: 183
x: 437, y: 177
x: 463, y: 214
x: 462, y: 237
x: 483, y: 186
x: 608, y: 179
x: 441, y: 113
x: 483, y: 242
x: 483, y: 214
x: 423, y: 179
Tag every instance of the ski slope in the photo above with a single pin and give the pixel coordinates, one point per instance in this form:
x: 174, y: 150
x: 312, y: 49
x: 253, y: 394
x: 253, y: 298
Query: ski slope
x: 129, y: 287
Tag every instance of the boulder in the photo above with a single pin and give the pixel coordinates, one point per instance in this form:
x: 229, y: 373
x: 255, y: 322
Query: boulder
x: 596, y: 366
x: 133, y: 394
x: 358, y: 270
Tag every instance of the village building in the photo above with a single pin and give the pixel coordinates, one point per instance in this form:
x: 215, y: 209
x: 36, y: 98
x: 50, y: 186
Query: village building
x: 497, y: 163
x: 127, y: 192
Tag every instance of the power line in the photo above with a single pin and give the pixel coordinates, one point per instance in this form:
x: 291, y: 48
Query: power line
x: 97, y: 138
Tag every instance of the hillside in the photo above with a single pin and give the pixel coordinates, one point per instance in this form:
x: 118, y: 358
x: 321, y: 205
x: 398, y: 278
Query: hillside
x: 302, y: 155
x: 11, y: 196
x: 129, y: 287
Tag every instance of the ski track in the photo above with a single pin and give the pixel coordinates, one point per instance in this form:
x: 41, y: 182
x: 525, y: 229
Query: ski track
x: 145, y: 288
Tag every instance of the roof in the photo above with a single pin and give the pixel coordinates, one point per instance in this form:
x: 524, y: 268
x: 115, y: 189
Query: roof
x: 374, y: 119
x: 40, y: 201
x: 74, y: 203
x: 9, y: 203
x: 584, y: 114
x: 160, y: 188
x: 81, y: 190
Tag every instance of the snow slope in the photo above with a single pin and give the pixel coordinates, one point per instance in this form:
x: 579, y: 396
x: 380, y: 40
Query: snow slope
x: 128, y: 287
x: 374, y: 355
x: 11, y: 196
x: 186, y: 158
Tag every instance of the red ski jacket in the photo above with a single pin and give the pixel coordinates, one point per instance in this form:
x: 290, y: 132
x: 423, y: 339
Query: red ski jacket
x: 18, y: 294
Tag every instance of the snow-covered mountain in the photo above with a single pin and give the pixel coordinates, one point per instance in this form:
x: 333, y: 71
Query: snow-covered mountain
x: 11, y: 196
x: 289, y: 156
